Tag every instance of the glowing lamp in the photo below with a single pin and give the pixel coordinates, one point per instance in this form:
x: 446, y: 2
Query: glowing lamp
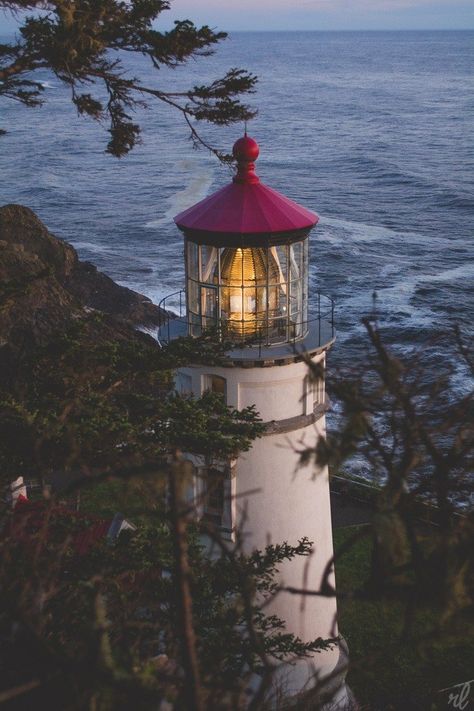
x: 250, y: 285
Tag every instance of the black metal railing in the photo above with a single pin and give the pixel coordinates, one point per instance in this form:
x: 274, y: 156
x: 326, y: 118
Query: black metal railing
x: 255, y: 332
x: 169, y: 304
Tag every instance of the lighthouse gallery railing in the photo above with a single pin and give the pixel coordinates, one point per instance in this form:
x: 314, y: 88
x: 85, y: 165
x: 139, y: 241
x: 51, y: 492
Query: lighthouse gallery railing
x: 173, y: 312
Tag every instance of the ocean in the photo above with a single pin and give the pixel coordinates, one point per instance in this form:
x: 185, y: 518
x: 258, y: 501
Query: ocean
x: 372, y: 130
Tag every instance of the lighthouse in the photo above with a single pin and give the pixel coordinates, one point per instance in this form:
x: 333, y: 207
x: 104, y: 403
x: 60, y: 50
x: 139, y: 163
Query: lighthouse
x: 246, y: 251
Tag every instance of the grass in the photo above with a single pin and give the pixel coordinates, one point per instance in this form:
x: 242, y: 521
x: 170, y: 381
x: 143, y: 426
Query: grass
x: 388, y: 671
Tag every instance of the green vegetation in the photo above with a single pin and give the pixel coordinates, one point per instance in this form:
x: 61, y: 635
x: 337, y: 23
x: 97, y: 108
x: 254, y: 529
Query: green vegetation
x: 87, y: 45
x: 87, y: 402
x: 102, y: 625
x: 388, y: 669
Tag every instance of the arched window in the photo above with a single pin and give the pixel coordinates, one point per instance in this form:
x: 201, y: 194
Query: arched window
x: 214, y: 496
x: 216, y: 384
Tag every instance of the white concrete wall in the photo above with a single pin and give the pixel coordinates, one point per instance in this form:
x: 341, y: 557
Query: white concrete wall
x: 279, y: 392
x: 289, y: 503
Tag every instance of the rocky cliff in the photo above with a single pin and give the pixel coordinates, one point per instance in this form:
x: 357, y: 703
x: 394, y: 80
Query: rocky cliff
x: 32, y: 258
x: 45, y: 291
x: 75, y: 382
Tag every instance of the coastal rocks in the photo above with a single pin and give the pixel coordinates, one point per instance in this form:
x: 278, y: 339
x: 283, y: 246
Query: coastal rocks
x: 70, y: 375
x: 20, y: 227
x: 33, y: 302
x: 98, y: 291
x: 48, y: 296
x: 22, y: 233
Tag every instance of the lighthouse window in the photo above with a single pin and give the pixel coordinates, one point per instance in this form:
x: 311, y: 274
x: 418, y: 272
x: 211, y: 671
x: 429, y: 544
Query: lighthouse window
x: 280, y: 256
x: 235, y: 301
x: 296, y: 315
x: 305, y: 280
x: 250, y: 293
x: 209, y: 303
x: 193, y: 295
x: 296, y: 260
x: 255, y: 300
x: 213, y: 480
x: 295, y: 298
x: 215, y: 384
x: 319, y: 392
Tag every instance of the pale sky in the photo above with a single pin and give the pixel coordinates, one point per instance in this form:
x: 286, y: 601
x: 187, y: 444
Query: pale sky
x: 317, y: 14
x: 328, y: 14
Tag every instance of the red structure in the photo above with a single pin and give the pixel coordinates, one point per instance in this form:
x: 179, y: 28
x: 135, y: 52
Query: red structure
x: 246, y: 206
x: 33, y: 519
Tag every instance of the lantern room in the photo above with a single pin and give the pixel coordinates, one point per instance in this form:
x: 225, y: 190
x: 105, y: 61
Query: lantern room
x: 246, y: 290
x: 246, y: 264
x: 246, y: 252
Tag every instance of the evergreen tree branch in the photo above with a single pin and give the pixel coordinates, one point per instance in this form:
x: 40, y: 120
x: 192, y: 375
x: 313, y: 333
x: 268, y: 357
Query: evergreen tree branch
x: 86, y: 43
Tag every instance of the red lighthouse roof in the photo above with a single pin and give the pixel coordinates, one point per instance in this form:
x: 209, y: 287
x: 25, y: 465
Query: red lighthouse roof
x: 246, y: 206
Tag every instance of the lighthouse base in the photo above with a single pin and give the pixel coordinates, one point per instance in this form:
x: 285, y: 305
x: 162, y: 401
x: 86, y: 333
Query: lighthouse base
x: 303, y: 686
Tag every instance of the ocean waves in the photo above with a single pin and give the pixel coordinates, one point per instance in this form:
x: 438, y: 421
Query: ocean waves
x: 370, y: 130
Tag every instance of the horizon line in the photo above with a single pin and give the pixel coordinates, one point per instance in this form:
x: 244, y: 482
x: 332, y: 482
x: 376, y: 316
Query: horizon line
x: 346, y: 29
x: 367, y: 29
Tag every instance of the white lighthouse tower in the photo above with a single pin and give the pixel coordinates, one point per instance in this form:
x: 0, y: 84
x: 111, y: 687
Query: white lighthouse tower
x: 246, y: 254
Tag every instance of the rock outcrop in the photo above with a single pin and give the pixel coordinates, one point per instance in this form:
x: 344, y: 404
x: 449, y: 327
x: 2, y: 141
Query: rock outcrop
x: 46, y: 294
x: 75, y: 382
x: 29, y: 250
x: 98, y: 291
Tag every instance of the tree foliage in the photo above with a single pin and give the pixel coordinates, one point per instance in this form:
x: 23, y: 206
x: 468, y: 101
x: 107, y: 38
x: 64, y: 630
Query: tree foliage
x: 104, y: 407
x: 89, y: 404
x: 414, y: 433
x: 101, y: 630
x: 85, y: 410
x: 86, y: 44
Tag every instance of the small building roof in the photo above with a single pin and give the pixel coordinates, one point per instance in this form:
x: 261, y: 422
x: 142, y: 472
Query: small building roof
x: 246, y: 206
x: 86, y: 530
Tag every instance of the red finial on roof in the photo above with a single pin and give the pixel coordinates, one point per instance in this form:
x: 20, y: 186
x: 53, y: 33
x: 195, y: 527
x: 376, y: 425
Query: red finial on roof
x: 246, y: 151
x: 246, y: 206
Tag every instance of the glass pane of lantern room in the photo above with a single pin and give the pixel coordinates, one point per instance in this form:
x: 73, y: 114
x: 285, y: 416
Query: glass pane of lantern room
x: 296, y: 316
x: 208, y: 264
x: 295, y: 296
x: 195, y: 325
x: 305, y: 281
x: 193, y: 297
x: 250, y: 302
x: 249, y: 311
x: 296, y: 260
x: 192, y: 260
x: 261, y: 309
x: 209, y: 306
x: 279, y: 255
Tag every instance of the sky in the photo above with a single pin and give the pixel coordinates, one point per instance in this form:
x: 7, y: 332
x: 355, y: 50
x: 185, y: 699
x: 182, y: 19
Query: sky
x: 234, y: 15
x: 329, y: 14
